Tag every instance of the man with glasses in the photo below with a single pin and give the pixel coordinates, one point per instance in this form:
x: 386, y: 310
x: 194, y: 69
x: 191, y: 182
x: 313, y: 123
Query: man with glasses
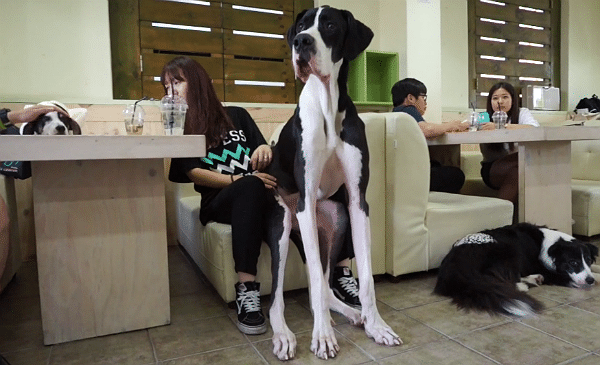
x: 410, y: 96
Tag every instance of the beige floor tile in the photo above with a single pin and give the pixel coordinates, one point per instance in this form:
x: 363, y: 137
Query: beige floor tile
x: 570, y: 324
x: 563, y: 294
x: 302, y: 298
x: 188, y: 338
x: 25, y: 335
x: 349, y: 353
x: 514, y: 343
x: 242, y: 355
x: 451, y: 321
x: 20, y: 309
x: 408, y: 293
x: 199, y: 305
x: 184, y: 282
x: 445, y: 352
x: 31, y: 356
x: 125, y: 348
x: 586, y: 360
x: 410, y: 331
x: 591, y: 305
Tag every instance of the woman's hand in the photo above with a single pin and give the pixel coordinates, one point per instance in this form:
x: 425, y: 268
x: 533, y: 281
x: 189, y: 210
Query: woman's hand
x: 261, y: 157
x: 489, y: 126
x: 269, y: 180
x: 32, y: 113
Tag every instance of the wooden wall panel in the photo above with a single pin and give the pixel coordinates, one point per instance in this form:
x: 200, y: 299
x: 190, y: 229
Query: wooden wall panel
x: 286, y: 5
x: 154, y: 89
x: 241, y: 45
x: 255, y: 22
x: 259, y: 94
x: 485, y: 84
x: 513, y: 31
x: 236, y: 69
x: 536, y: 4
x: 125, y: 49
x: 511, y: 13
x: 512, y: 68
x: 512, y: 49
x: 181, y: 13
x: 154, y: 63
x: 180, y: 40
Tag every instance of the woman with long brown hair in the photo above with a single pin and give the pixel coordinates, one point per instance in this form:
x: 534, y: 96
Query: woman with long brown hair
x: 500, y: 167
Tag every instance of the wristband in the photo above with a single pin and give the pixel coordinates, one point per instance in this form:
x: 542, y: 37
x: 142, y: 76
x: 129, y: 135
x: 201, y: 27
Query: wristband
x: 4, y: 122
x: 231, y: 177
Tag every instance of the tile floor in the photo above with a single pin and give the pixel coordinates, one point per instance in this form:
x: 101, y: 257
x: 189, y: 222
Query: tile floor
x: 202, y: 330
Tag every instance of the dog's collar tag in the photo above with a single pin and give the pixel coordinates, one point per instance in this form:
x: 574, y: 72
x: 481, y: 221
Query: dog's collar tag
x: 475, y: 239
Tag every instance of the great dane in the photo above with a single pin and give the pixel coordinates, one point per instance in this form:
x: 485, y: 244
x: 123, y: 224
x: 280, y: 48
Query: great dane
x: 322, y: 149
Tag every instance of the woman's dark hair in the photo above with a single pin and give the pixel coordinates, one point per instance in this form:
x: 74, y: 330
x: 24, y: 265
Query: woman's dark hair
x: 406, y: 87
x: 513, y: 113
x: 205, y: 114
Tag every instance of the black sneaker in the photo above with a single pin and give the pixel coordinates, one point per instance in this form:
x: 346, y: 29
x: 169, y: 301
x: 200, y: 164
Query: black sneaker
x: 345, y: 286
x: 250, y: 319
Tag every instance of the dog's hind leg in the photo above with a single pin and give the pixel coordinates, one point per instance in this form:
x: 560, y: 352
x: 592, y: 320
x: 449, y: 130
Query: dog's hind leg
x: 353, y: 159
x: 278, y: 238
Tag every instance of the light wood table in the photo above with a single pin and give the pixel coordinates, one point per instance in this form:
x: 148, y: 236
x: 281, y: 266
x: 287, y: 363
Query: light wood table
x: 544, y: 168
x: 100, y: 224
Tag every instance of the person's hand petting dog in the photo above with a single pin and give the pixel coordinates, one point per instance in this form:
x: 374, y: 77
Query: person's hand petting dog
x: 456, y: 126
x: 260, y: 159
x: 31, y: 114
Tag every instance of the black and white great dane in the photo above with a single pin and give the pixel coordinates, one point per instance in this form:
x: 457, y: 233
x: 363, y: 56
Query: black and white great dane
x: 322, y: 149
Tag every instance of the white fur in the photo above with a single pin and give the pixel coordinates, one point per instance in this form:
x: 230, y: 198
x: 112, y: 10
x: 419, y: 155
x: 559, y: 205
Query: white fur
x: 579, y: 278
x: 551, y: 237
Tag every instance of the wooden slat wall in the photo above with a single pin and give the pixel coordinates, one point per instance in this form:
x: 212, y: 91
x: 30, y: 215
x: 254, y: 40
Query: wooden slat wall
x: 511, y: 50
x: 226, y: 56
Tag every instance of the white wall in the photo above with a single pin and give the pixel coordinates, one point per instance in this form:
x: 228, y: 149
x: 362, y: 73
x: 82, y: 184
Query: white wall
x: 60, y: 49
x: 57, y: 49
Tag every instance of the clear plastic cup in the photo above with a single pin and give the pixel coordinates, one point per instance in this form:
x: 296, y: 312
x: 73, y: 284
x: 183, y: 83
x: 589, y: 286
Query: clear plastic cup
x: 475, y: 121
x: 500, y: 118
x: 172, y: 110
x: 133, y: 116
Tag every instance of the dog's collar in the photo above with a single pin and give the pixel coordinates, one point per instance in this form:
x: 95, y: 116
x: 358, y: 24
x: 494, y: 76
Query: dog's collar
x: 475, y: 239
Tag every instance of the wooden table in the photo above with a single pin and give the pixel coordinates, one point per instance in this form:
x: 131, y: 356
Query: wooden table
x: 544, y: 168
x: 100, y: 224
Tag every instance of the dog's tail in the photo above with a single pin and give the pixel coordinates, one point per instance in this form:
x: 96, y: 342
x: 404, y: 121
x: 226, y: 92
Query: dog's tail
x: 490, y: 294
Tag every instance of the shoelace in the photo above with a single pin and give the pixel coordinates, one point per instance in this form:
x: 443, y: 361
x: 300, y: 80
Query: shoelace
x: 250, y: 300
x: 349, y: 284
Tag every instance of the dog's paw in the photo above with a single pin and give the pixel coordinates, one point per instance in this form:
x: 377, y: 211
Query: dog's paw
x: 533, y: 280
x: 382, y: 334
x: 284, y: 345
x: 324, y: 344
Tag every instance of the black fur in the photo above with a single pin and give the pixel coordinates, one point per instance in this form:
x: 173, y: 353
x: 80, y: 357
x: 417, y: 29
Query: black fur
x: 484, y: 276
x: 37, y: 126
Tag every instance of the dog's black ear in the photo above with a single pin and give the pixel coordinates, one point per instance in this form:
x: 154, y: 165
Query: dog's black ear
x: 29, y: 128
x: 291, y: 33
x: 358, y: 36
x: 74, y: 126
x: 593, y: 250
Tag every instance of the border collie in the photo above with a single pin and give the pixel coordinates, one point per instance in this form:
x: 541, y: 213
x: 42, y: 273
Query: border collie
x: 491, y: 270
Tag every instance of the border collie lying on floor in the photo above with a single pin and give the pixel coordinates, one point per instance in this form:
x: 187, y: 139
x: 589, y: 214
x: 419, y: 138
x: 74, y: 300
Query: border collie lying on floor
x: 492, y: 270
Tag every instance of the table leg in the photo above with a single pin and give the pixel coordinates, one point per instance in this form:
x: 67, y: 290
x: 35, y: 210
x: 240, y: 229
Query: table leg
x: 101, y: 247
x: 545, y: 184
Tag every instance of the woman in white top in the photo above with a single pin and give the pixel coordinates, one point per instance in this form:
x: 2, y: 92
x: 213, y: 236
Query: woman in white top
x: 499, y: 168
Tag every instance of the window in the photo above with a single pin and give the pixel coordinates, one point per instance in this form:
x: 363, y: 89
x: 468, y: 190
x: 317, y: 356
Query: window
x: 240, y: 43
x: 514, y: 41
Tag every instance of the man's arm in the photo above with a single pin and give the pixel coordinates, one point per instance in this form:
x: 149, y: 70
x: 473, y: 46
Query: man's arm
x: 433, y: 130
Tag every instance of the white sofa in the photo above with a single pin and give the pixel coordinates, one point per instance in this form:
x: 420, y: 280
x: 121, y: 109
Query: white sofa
x: 411, y: 228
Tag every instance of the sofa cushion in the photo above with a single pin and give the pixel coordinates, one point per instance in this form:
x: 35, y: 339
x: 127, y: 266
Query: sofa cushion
x: 450, y: 217
x: 586, y: 207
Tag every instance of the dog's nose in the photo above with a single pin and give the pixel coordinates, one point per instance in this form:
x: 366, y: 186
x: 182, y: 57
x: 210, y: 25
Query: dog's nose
x: 303, y: 40
x: 60, y: 129
x: 589, y: 280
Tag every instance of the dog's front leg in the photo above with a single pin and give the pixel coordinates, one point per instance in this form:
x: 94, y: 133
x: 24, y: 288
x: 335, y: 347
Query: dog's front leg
x: 278, y: 238
x: 375, y: 327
